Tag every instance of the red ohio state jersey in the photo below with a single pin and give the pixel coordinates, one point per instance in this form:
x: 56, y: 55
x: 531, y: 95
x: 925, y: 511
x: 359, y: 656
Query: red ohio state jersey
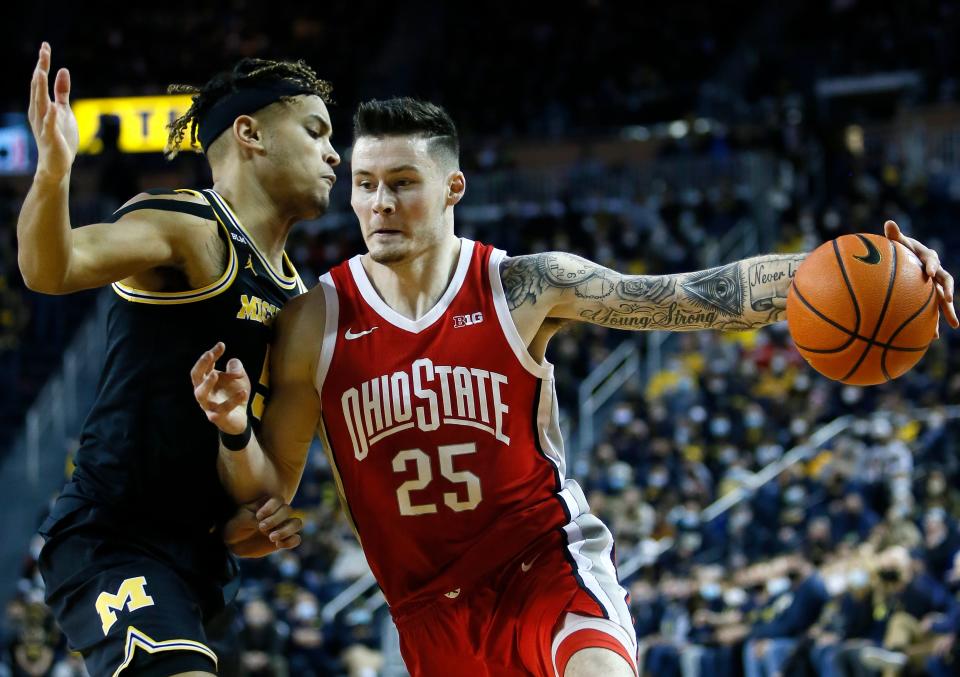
x: 442, y: 431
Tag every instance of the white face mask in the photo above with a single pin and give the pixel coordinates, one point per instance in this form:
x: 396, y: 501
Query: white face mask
x: 305, y: 611
x: 735, y: 597
x: 777, y: 586
x: 835, y: 584
x: 857, y: 579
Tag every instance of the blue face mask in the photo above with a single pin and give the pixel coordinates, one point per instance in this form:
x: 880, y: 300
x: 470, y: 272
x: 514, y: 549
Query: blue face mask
x: 289, y: 568
x: 720, y: 426
x: 777, y: 586
x: 710, y: 591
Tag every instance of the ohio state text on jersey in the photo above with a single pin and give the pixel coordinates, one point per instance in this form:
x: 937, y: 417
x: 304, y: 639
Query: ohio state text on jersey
x: 442, y: 431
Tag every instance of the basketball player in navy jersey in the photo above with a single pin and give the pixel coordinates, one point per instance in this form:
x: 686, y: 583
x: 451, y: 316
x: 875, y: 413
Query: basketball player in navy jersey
x: 136, y: 561
x: 422, y: 365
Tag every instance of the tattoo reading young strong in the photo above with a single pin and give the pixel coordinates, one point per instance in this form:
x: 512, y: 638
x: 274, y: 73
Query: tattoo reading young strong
x: 742, y: 295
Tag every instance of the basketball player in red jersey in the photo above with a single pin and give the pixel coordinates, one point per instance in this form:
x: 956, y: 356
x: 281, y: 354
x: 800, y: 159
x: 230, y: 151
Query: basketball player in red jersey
x: 422, y: 366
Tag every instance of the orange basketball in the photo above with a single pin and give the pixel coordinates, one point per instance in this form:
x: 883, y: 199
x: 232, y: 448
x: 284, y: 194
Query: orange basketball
x: 861, y: 310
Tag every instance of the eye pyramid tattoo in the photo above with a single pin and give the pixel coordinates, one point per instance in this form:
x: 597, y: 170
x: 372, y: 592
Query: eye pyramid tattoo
x: 718, y: 289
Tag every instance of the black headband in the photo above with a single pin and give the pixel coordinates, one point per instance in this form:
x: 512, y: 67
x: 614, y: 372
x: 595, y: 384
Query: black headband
x: 242, y: 102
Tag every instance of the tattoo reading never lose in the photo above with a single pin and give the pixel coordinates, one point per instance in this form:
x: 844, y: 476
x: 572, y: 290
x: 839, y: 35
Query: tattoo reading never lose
x: 766, y: 282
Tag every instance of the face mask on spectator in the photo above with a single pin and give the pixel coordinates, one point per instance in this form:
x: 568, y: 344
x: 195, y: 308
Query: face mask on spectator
x: 619, y: 476
x: 798, y: 427
x: 657, y: 479
x: 720, y: 427
x: 889, y: 575
x: 710, y: 591
x: 305, y: 610
x: 850, y: 395
x: 622, y: 415
x: 858, y: 579
x: 835, y: 584
x: 729, y: 455
x: 777, y: 586
x: 289, y: 567
x: 794, y: 495
x: 753, y: 418
x: 690, y: 519
x: 739, y: 519
x: 734, y: 597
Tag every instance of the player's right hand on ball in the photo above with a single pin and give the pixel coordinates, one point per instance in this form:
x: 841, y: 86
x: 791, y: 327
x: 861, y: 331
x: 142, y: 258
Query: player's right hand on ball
x: 222, y: 395
x: 53, y: 122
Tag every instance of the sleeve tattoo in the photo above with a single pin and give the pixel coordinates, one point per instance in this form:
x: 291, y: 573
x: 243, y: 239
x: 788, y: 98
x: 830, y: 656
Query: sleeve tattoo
x: 742, y: 295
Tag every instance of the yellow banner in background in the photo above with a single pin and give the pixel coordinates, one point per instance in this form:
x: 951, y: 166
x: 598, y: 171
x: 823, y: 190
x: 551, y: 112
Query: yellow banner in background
x: 143, y: 121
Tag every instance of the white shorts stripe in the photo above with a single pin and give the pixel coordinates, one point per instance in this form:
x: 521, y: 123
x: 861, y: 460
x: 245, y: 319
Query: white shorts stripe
x: 591, y: 544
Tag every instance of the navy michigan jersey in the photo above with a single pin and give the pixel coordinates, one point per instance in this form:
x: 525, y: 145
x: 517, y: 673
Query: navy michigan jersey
x: 147, y: 457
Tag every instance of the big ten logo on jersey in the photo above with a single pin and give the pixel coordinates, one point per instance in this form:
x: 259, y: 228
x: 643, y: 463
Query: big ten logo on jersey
x: 132, y: 593
x: 467, y: 320
x: 256, y: 309
x: 239, y: 238
x: 426, y: 396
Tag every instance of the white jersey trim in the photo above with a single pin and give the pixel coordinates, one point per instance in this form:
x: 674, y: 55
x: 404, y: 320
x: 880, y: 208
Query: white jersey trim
x: 330, y: 328
x: 381, y: 308
x: 507, y: 324
x: 548, y: 428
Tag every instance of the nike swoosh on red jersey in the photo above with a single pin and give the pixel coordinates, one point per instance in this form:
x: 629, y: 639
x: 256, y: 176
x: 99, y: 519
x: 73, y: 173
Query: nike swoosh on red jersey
x: 350, y: 336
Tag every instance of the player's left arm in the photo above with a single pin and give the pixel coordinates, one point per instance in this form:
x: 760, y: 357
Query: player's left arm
x: 743, y: 295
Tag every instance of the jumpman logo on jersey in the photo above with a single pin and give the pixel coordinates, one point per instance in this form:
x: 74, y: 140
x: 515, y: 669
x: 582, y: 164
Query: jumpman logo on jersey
x: 249, y: 265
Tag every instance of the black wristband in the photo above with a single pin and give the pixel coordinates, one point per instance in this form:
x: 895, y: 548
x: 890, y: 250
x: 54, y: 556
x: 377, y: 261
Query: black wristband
x: 237, y: 442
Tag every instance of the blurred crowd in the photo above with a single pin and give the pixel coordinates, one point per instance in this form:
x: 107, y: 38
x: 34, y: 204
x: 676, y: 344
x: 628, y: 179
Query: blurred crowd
x: 595, y: 65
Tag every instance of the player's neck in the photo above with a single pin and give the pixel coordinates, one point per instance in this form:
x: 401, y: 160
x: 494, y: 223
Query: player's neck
x: 414, y: 286
x: 261, y: 216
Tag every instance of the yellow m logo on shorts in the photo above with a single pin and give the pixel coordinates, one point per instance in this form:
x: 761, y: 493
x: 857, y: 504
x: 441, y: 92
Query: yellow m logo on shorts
x: 131, y: 593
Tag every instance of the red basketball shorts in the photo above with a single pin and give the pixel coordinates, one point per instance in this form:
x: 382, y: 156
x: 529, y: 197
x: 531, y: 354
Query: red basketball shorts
x: 559, y: 596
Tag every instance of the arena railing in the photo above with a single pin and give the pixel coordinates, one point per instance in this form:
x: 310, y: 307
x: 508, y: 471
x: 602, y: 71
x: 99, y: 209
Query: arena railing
x: 648, y: 553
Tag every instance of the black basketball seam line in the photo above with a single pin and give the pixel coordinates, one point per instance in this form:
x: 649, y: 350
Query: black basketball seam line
x: 846, y: 279
x: 878, y: 344
x: 883, y: 312
x: 883, y: 355
x: 855, y: 334
x: 853, y: 337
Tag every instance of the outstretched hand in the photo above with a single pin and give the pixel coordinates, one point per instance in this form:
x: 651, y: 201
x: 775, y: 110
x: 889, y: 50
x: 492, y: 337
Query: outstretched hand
x: 222, y: 395
x: 52, y: 121
x: 931, y: 265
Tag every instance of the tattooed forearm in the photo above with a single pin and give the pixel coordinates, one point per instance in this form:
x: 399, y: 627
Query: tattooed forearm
x: 742, y: 295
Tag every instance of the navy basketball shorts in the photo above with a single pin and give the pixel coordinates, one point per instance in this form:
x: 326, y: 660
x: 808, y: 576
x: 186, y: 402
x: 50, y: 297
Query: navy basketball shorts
x: 125, y: 611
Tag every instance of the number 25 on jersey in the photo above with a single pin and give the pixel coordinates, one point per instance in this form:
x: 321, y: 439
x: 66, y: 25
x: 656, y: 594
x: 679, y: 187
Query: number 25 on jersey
x: 452, y: 499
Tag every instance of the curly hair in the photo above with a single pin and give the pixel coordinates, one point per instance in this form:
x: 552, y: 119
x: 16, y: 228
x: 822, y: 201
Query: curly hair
x: 247, y: 73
